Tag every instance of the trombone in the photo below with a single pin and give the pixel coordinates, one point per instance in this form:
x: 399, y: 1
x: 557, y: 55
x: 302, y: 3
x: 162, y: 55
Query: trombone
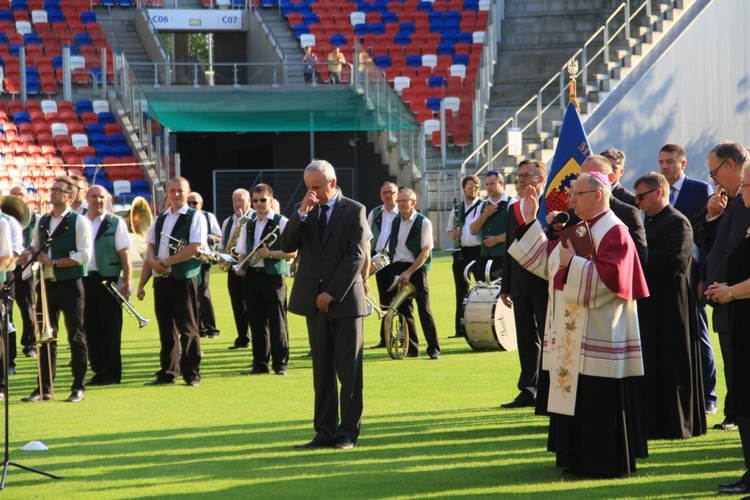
x: 43, y: 334
x: 268, y: 240
x: 125, y: 303
x: 176, y: 245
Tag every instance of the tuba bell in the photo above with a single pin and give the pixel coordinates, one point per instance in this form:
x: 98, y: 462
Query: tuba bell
x: 140, y: 218
x: 16, y: 208
x: 395, y: 326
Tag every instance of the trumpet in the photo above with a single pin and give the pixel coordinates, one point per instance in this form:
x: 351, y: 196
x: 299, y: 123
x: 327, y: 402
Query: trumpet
x: 268, y: 240
x: 176, y: 245
x: 125, y: 303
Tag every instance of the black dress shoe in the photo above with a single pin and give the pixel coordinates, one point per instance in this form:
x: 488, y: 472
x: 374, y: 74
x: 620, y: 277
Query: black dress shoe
x: 254, y: 372
x: 412, y: 355
x: 727, y: 425
x: 378, y: 346
x: 435, y: 355
x: 344, y: 444
x: 732, y: 484
x: 159, y: 381
x: 523, y: 400
x: 742, y: 487
x: 193, y: 382
x: 75, y: 396
x: 235, y: 346
x: 308, y: 355
x: 457, y: 336
x: 315, y: 443
x: 35, y: 396
x: 280, y: 372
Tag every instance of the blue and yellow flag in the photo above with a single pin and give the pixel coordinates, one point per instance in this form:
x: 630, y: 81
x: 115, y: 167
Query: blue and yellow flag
x: 571, y: 151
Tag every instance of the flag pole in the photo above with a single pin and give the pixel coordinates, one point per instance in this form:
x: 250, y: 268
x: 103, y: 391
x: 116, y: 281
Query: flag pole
x: 572, y: 74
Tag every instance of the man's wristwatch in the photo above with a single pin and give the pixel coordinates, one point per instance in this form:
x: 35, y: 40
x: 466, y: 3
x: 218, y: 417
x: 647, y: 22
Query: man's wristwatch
x: 54, y: 263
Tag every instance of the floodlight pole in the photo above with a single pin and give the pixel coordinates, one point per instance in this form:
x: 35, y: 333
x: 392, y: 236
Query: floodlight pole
x: 7, y: 305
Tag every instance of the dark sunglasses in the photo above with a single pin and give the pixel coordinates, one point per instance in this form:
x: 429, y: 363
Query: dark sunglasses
x: 262, y: 200
x: 193, y: 203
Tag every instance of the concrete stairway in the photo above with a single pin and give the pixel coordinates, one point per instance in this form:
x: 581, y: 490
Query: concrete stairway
x: 539, y: 37
x: 288, y: 43
x: 119, y: 26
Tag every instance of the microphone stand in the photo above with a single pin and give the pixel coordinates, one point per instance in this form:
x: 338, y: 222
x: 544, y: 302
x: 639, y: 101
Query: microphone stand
x: 7, y: 304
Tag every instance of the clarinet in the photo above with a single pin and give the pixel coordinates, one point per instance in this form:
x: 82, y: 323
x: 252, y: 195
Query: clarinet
x: 458, y: 251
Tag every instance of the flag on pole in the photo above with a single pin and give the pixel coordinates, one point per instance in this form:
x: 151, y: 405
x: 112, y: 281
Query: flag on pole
x: 571, y: 151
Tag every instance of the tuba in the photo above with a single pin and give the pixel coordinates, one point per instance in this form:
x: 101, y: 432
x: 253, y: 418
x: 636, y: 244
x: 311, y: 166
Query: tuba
x: 396, y: 329
x: 140, y: 219
x: 16, y: 208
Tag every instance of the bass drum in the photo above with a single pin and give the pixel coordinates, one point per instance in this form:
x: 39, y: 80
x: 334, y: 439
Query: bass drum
x: 489, y: 324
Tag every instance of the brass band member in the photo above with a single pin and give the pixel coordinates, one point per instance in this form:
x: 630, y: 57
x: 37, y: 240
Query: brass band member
x: 206, y: 315
x: 230, y: 233
x: 176, y: 285
x: 69, y: 238
x: 81, y: 185
x: 110, y: 257
x: 6, y: 261
x: 380, y: 220
x: 22, y: 290
x: 17, y: 247
x: 491, y: 224
x: 468, y: 245
x: 264, y: 285
x: 411, y: 256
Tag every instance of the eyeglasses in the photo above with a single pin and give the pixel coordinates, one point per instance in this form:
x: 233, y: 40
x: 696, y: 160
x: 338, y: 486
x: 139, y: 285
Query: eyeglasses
x: 262, y: 200
x: 388, y: 192
x: 712, y: 174
x: 472, y: 187
x: 576, y: 194
x: 59, y: 190
x: 525, y: 177
x: 639, y: 197
x: 403, y: 201
x: 193, y: 203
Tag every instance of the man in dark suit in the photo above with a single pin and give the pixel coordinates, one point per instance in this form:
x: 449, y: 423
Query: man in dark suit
x: 524, y: 292
x: 724, y: 223
x: 689, y: 196
x: 616, y: 158
x: 330, y: 234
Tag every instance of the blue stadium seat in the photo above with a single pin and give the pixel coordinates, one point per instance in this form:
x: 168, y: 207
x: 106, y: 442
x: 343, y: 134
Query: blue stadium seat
x: 105, y: 151
x: 472, y: 5
x: 461, y: 59
x: 377, y: 28
x: 448, y: 38
x: 437, y: 26
x: 3, y: 39
x: 337, y: 40
x: 301, y: 29
x: 402, y: 39
x: 407, y: 28
x: 31, y: 39
x: 82, y: 39
x: 139, y: 187
x: 6, y: 16
x: 436, y: 16
x: 21, y: 117
x: 425, y: 6
x: 364, y: 7
x: 123, y: 151
x: 382, y: 62
x: 106, y: 117
x: 453, y: 15
x: 118, y: 140
x: 433, y: 104
x: 95, y: 129
x: 55, y: 16
x: 445, y: 48
x: 19, y: 5
x: 125, y: 4
x: 310, y: 18
x: 84, y: 106
x: 464, y: 37
x: 88, y: 17
x: 389, y: 17
x: 414, y: 61
x: 361, y: 29
x: 436, y: 81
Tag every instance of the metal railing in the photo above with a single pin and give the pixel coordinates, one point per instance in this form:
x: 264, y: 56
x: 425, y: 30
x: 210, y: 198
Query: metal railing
x: 606, y: 35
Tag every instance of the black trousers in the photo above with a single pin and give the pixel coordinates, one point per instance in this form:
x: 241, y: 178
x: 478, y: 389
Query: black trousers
x: 265, y: 299
x: 426, y: 320
x: 102, y: 323
x: 383, y: 280
x: 66, y: 296
x: 176, y: 305
x: 205, y: 306
x: 234, y: 287
x: 337, y: 356
x: 460, y: 261
x: 530, y: 313
x: 22, y: 292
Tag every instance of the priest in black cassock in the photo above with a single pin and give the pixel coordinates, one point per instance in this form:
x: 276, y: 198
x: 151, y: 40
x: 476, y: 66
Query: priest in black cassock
x: 675, y: 408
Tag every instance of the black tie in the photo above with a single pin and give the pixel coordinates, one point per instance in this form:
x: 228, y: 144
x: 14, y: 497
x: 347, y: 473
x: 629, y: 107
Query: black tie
x: 322, y: 221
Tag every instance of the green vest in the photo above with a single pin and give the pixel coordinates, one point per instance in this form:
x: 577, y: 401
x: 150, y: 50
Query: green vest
x: 181, y: 231
x: 377, y: 220
x: 63, y: 242
x: 105, y: 252
x: 413, y: 240
x: 273, y: 266
x: 496, y: 224
x: 28, y: 231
